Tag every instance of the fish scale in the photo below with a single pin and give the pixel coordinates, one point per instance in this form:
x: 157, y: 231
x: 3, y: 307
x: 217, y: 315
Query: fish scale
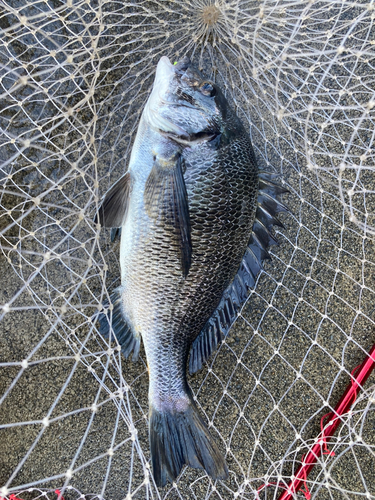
x: 189, y: 251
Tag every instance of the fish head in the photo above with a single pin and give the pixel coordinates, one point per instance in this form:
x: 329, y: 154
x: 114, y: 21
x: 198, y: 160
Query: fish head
x: 184, y: 105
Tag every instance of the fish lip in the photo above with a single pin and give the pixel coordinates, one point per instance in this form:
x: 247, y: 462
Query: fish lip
x: 182, y: 65
x: 183, y: 104
x: 189, y: 140
x: 164, y: 60
x: 165, y: 72
x: 179, y: 67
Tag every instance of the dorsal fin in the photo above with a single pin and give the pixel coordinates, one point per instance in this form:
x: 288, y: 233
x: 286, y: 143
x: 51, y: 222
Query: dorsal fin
x: 256, y: 252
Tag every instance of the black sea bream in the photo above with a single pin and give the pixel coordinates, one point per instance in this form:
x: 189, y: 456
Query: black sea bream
x: 195, y: 216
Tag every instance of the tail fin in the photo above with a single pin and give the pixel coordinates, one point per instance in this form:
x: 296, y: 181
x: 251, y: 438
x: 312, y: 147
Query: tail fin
x: 181, y: 437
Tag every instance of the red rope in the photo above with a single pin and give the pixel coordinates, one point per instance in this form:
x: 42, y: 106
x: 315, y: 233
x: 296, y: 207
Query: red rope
x: 12, y: 496
x: 59, y: 495
x: 359, y: 376
x: 306, y: 491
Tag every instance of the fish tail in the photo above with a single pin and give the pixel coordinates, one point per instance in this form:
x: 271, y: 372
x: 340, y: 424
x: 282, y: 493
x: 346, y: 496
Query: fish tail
x: 181, y: 437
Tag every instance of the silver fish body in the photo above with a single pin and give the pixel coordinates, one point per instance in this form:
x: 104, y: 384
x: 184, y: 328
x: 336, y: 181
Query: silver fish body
x: 186, y: 206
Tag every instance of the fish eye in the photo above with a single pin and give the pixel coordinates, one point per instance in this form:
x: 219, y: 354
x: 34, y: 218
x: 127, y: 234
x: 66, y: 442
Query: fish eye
x: 208, y: 89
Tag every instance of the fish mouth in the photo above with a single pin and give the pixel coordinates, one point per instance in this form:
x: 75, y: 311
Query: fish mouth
x: 165, y: 73
x: 179, y: 67
x: 165, y: 69
x: 190, y: 139
x: 182, y: 65
x: 160, y: 96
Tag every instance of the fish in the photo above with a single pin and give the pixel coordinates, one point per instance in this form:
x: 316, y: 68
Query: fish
x: 196, y: 217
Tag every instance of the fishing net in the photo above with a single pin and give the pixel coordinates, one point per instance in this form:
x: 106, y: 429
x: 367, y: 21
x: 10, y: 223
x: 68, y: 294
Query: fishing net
x: 74, y: 77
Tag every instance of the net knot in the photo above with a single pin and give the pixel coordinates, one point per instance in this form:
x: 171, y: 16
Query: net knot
x: 265, y: 485
x: 210, y: 15
x: 354, y: 382
x: 323, y: 439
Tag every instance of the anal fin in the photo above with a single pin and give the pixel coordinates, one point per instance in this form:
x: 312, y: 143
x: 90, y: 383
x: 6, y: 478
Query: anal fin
x: 115, y: 232
x: 114, y: 319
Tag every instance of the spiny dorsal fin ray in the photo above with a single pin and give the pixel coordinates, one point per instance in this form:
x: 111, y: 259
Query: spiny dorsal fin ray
x: 272, y: 205
x: 269, y: 187
x: 256, y: 246
x: 115, y: 321
x: 114, y: 207
x: 264, y: 235
x: 235, y: 295
x: 166, y: 199
x: 266, y: 218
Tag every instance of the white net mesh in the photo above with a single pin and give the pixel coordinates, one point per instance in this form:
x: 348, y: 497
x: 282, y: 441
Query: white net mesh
x: 74, y: 78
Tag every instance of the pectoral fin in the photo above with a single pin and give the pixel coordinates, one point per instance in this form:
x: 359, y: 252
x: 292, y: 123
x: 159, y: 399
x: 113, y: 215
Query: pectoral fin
x: 113, y: 210
x: 166, y: 200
